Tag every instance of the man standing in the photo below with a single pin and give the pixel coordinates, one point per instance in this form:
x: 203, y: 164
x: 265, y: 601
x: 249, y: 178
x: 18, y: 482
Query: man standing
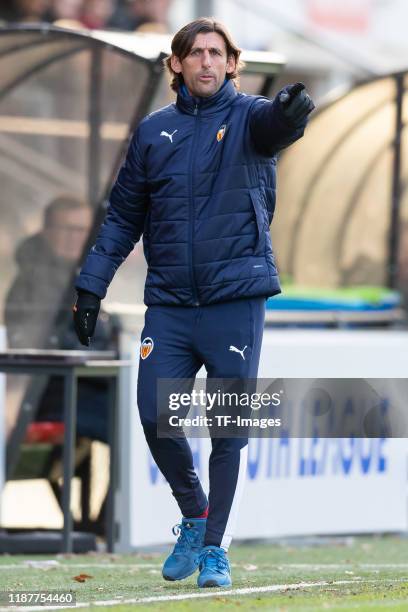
x: 199, y: 183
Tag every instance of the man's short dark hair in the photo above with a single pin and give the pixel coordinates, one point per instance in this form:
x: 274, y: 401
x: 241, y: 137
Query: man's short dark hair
x: 62, y: 203
x: 183, y: 41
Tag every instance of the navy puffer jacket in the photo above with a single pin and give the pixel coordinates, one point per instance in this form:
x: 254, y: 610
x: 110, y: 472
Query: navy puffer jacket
x: 199, y: 183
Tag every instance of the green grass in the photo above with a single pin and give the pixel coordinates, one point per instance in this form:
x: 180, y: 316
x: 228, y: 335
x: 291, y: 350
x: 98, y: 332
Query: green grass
x: 376, y: 571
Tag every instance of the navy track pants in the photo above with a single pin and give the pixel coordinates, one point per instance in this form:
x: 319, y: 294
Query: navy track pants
x: 184, y: 339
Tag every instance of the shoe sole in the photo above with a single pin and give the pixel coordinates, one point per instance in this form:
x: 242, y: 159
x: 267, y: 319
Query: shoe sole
x: 213, y: 583
x: 171, y: 579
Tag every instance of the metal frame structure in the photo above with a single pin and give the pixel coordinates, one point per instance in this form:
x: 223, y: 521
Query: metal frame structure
x: 397, y: 189
x: 95, y: 46
x: 72, y: 367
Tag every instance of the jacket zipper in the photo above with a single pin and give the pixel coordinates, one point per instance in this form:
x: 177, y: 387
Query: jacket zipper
x: 191, y: 207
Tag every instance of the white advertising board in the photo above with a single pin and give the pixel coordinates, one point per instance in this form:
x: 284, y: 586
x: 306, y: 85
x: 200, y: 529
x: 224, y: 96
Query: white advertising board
x: 294, y: 486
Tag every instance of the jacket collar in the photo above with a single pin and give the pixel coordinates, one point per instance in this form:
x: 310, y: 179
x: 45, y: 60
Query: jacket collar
x: 207, y: 106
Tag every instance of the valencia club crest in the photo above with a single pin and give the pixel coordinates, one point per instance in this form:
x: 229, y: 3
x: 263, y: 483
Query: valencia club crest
x: 221, y: 132
x: 146, y: 347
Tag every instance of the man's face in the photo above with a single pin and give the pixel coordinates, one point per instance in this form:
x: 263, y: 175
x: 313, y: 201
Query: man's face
x: 205, y: 66
x: 98, y: 10
x: 67, y: 9
x: 68, y: 231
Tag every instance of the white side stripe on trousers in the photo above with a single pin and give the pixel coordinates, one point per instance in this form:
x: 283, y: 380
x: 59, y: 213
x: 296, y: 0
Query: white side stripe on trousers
x: 233, y: 514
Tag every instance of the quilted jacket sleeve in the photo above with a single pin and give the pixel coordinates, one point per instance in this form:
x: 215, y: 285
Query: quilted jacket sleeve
x: 123, y: 224
x: 270, y: 130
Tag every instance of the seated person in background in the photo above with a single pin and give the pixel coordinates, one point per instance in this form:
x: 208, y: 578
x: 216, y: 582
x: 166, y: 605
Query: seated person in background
x: 68, y: 11
x: 141, y: 15
x: 402, y: 261
x: 96, y: 13
x: 46, y: 262
x: 366, y: 270
x: 24, y: 11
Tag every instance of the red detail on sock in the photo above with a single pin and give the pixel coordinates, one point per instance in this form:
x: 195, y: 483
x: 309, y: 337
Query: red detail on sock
x: 203, y: 515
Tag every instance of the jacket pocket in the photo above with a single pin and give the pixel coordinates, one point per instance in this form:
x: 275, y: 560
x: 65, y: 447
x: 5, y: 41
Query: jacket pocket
x: 259, y: 212
x: 269, y: 200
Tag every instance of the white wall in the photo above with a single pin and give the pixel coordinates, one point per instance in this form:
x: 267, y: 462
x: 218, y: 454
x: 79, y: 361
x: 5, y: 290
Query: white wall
x: 295, y: 486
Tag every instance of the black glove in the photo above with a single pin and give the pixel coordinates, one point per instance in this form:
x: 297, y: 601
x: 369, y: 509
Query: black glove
x: 296, y: 103
x: 86, y: 311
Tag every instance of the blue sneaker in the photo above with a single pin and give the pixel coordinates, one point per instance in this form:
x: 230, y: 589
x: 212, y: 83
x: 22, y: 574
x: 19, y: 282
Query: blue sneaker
x: 183, y: 561
x: 214, y: 567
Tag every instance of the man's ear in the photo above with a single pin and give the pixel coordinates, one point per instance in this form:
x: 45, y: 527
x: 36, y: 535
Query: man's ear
x: 231, y: 64
x: 175, y: 64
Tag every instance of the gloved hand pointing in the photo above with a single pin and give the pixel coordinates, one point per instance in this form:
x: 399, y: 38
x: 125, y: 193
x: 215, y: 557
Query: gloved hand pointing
x: 296, y: 103
x: 86, y: 310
